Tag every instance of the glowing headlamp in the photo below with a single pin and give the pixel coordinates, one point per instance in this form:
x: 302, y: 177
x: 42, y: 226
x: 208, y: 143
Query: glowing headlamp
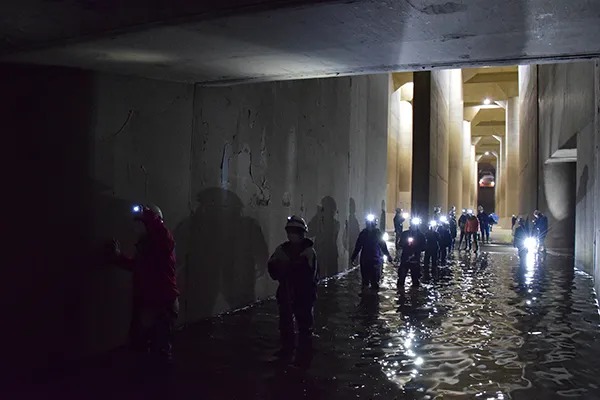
x: 530, y: 243
x: 416, y: 221
x: 370, y: 218
x: 432, y: 224
x: 137, y: 208
x: 444, y: 219
x: 410, y: 240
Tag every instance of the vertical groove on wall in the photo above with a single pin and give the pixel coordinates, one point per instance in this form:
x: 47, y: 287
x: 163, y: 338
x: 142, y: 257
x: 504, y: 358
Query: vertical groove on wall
x: 190, y: 202
x: 537, y: 137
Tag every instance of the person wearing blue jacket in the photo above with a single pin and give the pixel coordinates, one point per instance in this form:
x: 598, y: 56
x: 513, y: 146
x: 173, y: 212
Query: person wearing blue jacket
x: 372, y: 248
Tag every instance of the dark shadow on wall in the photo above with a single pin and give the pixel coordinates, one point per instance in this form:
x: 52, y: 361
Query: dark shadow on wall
x: 325, y: 228
x: 383, y: 217
x: 352, y: 228
x: 226, y: 254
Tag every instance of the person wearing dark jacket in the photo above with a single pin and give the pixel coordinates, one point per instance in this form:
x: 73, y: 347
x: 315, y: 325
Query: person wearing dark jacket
x: 432, y: 250
x: 540, y: 228
x: 443, y: 230
x: 453, y: 227
x: 399, y: 219
x: 521, y: 234
x: 372, y: 248
x: 484, y: 225
x: 413, y: 243
x: 155, y: 304
x: 462, y: 223
x: 294, y: 266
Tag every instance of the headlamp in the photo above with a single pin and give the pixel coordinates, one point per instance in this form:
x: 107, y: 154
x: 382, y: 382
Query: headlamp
x: 416, y: 221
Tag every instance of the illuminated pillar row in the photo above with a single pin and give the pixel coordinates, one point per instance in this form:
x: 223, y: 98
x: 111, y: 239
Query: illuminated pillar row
x: 466, y: 166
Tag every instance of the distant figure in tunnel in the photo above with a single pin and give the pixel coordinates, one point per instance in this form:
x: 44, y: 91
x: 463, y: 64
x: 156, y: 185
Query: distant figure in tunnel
x: 413, y: 243
x: 521, y: 234
x: 484, y: 225
x: 372, y: 248
x: 294, y: 266
x: 453, y: 226
x: 432, y: 251
x: 399, y: 219
x: 155, y: 303
x: 471, y: 230
x: 462, y: 223
x: 443, y: 229
x: 540, y: 228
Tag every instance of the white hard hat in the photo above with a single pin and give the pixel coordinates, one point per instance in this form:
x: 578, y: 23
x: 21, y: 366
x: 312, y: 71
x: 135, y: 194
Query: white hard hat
x: 156, y: 210
x: 296, y: 222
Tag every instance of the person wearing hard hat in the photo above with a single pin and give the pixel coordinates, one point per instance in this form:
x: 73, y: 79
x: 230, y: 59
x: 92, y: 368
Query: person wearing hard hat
x: 294, y: 266
x: 413, y: 243
x: 155, y: 293
x: 399, y: 219
x: 372, y: 248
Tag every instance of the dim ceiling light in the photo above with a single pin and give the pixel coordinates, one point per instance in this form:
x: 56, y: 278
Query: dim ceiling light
x: 487, y: 102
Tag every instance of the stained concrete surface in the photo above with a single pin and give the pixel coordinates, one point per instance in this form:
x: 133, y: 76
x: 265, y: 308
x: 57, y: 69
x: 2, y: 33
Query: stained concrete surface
x: 488, y: 328
x: 327, y: 39
x: 227, y: 166
x: 528, y: 139
x: 431, y: 140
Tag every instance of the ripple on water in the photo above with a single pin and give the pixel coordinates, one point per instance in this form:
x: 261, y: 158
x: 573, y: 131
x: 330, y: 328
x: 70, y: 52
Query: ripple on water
x: 487, y: 329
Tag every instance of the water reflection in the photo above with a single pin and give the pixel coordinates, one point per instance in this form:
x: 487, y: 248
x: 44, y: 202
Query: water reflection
x: 489, y: 327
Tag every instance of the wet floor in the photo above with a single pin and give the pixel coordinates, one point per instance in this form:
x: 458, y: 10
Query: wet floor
x: 488, y: 329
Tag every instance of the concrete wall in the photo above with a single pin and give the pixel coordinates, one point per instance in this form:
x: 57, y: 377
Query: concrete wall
x: 566, y: 112
x: 566, y: 102
x: 227, y: 165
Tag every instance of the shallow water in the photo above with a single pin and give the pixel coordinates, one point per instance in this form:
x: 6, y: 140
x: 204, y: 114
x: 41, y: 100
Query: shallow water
x: 488, y: 329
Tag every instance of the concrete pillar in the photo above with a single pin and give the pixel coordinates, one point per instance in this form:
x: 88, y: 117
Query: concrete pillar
x: 392, y: 148
x: 474, y: 180
x: 455, y: 156
x: 399, y: 152
x: 405, y: 152
x: 511, y: 154
x: 466, y: 165
x: 500, y: 178
x: 420, y: 195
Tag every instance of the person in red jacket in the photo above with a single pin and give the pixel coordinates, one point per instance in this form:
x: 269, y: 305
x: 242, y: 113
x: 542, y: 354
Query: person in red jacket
x: 155, y: 293
x: 471, y: 229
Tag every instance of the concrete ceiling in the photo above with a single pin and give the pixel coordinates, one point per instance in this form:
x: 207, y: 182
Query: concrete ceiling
x: 488, y: 123
x: 218, y: 44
